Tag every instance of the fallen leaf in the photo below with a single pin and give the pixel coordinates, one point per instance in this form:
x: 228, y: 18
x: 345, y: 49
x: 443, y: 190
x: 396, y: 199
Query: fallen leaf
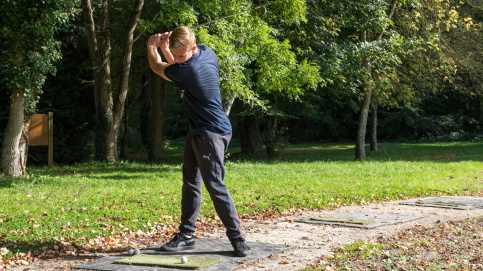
x: 4, y: 251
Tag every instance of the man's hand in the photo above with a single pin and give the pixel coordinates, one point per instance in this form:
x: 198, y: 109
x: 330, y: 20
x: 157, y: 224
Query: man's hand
x: 155, y: 40
x: 165, y: 41
x: 155, y: 61
x: 164, y: 45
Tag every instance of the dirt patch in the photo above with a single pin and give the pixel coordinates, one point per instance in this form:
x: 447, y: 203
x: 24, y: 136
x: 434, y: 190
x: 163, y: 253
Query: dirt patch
x: 311, y: 244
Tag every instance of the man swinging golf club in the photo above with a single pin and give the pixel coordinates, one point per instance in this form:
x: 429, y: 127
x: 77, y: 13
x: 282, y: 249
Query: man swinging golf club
x: 195, y: 71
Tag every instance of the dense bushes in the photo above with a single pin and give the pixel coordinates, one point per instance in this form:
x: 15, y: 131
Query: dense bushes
x: 448, y: 116
x: 69, y: 95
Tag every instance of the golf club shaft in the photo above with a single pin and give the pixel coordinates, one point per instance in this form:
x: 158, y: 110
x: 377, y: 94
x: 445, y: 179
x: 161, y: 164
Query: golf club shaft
x: 222, y: 18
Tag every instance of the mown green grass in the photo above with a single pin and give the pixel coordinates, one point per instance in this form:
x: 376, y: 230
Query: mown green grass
x: 100, y: 199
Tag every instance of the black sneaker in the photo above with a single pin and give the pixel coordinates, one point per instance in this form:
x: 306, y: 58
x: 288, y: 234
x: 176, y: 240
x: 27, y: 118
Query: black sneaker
x: 179, y: 242
x: 241, y: 247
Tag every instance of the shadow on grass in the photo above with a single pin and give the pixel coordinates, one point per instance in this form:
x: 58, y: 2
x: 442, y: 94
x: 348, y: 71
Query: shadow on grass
x: 294, y: 153
x: 6, y: 181
x: 435, y: 152
x: 35, y: 247
x: 51, y: 249
x: 104, y: 168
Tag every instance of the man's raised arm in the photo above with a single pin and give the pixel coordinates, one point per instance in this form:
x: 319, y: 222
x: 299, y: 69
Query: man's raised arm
x: 155, y: 61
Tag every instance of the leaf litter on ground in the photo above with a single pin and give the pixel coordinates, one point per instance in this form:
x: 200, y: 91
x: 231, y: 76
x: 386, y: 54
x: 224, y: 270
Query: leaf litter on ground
x: 450, y: 245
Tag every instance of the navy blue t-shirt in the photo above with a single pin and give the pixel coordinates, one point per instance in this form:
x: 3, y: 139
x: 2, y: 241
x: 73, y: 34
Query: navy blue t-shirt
x: 198, y: 81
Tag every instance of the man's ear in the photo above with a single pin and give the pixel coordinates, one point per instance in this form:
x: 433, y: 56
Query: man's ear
x: 194, y: 49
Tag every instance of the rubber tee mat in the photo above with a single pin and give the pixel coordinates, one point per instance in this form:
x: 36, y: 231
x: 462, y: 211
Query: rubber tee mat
x: 458, y: 203
x: 359, y: 219
x: 220, y: 249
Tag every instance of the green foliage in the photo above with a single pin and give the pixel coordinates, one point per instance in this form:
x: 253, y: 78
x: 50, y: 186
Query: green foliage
x: 464, y: 45
x: 429, y: 68
x: 320, y: 116
x: 71, y: 101
x: 359, y: 249
x: 301, y: 62
x: 446, y: 116
x: 253, y: 58
x: 30, y: 48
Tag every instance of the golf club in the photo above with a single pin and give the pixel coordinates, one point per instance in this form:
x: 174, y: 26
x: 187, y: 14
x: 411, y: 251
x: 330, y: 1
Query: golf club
x: 263, y: 11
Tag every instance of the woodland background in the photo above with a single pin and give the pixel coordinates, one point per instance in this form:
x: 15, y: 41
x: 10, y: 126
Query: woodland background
x: 307, y: 71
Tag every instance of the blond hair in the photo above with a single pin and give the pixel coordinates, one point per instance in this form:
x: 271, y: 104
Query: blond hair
x: 182, y: 37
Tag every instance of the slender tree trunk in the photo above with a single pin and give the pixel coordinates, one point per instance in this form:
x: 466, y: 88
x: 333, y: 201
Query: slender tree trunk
x: 480, y: 107
x: 228, y: 104
x: 158, y: 99
x: 271, y: 126
x: 120, y: 100
x: 14, y: 144
x: 374, y: 128
x: 106, y: 147
x: 364, y: 113
x: 100, y: 52
x: 360, y: 152
x: 145, y: 114
x: 125, y: 135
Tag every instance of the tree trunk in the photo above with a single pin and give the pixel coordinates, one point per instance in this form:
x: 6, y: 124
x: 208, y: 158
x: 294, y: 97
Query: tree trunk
x: 100, y: 52
x: 109, y: 112
x: 480, y: 108
x: 145, y: 114
x: 15, y: 140
x: 364, y: 113
x: 251, y: 143
x: 249, y: 128
x: 374, y: 128
x: 106, y: 147
x: 125, y: 135
x: 228, y: 104
x: 271, y: 146
x: 120, y: 102
x: 158, y: 99
x: 360, y: 153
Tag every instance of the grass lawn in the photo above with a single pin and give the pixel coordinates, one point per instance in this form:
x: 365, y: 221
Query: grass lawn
x: 85, y: 201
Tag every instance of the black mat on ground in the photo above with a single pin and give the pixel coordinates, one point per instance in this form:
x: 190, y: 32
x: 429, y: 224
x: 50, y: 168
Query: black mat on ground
x: 359, y: 219
x: 458, y: 203
x: 209, y: 247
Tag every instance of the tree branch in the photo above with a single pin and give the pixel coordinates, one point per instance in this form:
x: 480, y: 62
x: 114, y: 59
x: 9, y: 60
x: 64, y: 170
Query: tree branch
x: 390, y: 13
x: 126, y: 62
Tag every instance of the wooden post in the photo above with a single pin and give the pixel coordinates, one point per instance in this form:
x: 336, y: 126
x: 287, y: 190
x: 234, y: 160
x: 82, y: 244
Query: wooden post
x: 51, y: 139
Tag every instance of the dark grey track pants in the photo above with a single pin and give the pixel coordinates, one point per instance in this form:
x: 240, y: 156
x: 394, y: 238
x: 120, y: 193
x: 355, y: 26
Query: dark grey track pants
x: 203, y: 163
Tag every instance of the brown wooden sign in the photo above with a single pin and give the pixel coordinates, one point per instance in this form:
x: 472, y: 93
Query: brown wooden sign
x: 41, y: 133
x: 39, y: 130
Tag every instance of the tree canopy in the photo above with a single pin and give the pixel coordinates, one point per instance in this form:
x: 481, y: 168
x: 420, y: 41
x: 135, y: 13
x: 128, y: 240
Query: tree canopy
x: 307, y: 69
